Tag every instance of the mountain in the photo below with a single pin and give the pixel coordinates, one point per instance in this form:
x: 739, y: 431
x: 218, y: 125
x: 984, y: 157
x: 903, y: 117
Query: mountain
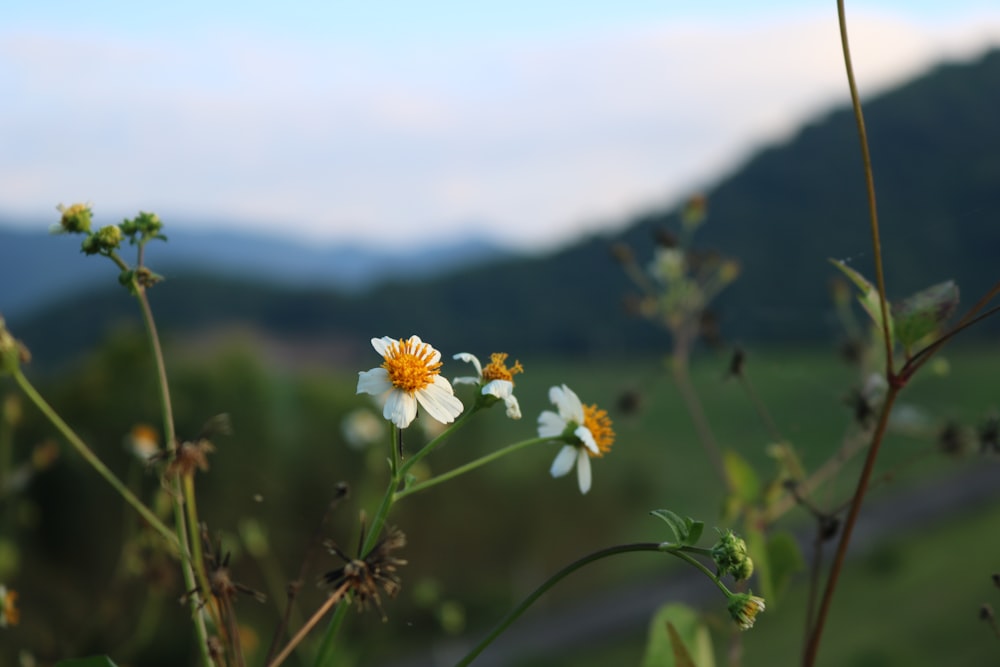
x: 936, y: 151
x: 44, y: 266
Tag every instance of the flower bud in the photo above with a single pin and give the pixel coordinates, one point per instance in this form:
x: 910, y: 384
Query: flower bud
x: 75, y: 219
x: 730, y: 556
x: 103, y: 241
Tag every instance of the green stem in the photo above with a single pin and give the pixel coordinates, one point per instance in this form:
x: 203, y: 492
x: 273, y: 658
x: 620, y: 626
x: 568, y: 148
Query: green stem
x: 188, y: 565
x: 91, y: 458
x: 866, y: 158
x: 436, y: 442
x: 472, y: 465
x: 680, y: 553
x: 515, y: 613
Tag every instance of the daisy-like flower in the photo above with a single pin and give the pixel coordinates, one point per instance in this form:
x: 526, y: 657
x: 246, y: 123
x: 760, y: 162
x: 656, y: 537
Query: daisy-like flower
x: 585, y: 428
x: 9, y: 614
x: 495, y: 379
x: 744, y: 607
x: 410, y: 374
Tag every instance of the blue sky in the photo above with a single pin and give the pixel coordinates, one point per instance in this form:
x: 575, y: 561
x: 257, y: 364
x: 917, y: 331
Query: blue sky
x: 407, y: 122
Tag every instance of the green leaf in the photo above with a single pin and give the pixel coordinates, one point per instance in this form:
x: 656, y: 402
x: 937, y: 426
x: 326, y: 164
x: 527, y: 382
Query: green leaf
x: 869, y: 297
x: 686, y: 530
x: 676, y: 634
x: 785, y: 560
x: 674, y: 521
x: 94, y: 661
x: 681, y: 656
x: 921, y: 313
x: 746, y: 484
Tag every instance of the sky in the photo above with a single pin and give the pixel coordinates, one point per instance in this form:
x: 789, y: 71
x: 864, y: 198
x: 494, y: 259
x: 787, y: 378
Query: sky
x: 411, y: 122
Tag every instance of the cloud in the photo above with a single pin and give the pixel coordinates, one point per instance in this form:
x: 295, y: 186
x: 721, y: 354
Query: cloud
x: 531, y: 139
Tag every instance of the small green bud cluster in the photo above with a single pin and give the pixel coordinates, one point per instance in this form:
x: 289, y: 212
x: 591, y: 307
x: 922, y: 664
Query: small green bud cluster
x: 75, y: 219
x: 102, y: 242
x: 143, y: 227
x: 730, y: 556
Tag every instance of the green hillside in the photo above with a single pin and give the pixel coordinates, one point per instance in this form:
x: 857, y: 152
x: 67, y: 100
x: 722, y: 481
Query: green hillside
x: 936, y: 150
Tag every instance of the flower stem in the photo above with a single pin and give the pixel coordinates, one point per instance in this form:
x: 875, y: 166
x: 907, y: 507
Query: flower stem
x: 812, y: 648
x: 472, y: 465
x: 170, y: 439
x: 310, y: 624
x: 90, y: 457
x: 436, y: 442
x: 515, y: 613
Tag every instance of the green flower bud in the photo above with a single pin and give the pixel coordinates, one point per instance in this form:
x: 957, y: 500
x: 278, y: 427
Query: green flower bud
x: 75, y: 219
x: 744, y: 607
x: 103, y: 241
x: 730, y: 556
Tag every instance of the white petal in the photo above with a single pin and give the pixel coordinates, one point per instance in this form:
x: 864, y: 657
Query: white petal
x: 587, y: 438
x: 550, y: 425
x: 499, y: 388
x: 513, y: 407
x: 467, y: 379
x: 471, y: 359
x: 564, y: 461
x: 374, y: 382
x: 583, y: 471
x: 439, y: 401
x: 382, y: 344
x: 400, y: 408
x: 568, y: 403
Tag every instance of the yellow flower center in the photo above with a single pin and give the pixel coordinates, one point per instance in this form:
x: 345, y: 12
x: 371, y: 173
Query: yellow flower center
x: 409, y: 365
x: 497, y: 368
x: 598, y: 423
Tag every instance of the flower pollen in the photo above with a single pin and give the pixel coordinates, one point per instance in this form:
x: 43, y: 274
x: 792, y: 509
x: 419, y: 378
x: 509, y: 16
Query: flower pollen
x: 409, y: 365
x: 497, y: 368
x: 598, y: 423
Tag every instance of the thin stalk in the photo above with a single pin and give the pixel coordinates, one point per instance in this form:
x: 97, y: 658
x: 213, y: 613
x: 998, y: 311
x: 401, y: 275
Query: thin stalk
x: 436, y: 442
x: 472, y: 465
x: 515, y: 613
x: 301, y: 634
x: 170, y: 438
x: 682, y: 378
x: 866, y: 158
x: 197, y: 555
x: 90, y: 457
x: 812, y: 648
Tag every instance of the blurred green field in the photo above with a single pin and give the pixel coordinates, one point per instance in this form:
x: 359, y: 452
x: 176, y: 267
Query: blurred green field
x: 478, y: 544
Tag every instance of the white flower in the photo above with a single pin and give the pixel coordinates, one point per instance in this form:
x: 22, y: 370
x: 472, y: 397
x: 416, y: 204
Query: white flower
x: 361, y: 428
x: 590, y: 427
x: 409, y: 374
x: 496, y: 379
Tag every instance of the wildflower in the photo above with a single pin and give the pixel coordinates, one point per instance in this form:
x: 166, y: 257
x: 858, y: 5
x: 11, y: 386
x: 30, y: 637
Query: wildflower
x: 9, y: 614
x: 496, y: 380
x: 363, y: 576
x: 192, y: 454
x: 361, y: 428
x: 143, y: 442
x: 410, y: 374
x: 585, y: 428
x: 103, y: 241
x: 75, y: 219
x: 730, y: 556
x: 669, y: 265
x: 744, y: 607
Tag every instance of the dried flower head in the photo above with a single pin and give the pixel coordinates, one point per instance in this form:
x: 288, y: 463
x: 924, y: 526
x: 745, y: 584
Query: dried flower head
x: 190, y: 455
x: 362, y: 577
x: 220, y: 580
